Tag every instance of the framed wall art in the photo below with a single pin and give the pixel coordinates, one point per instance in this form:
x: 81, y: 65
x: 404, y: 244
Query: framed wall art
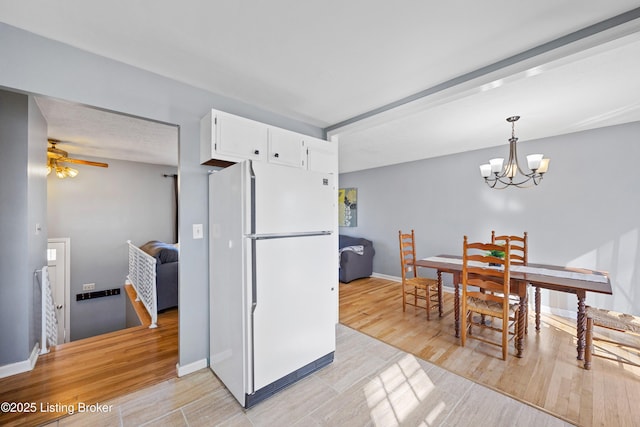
x: 348, y: 207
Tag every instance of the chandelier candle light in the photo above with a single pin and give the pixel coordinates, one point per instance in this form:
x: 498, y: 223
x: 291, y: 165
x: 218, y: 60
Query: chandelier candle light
x: 499, y: 176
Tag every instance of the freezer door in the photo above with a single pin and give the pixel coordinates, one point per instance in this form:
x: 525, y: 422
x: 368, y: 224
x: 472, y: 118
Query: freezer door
x: 294, y: 316
x: 291, y: 200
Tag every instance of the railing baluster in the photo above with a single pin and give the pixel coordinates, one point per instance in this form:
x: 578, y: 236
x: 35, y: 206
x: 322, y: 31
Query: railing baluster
x: 142, y: 275
x: 49, y: 319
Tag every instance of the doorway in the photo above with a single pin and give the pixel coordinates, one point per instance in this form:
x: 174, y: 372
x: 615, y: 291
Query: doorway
x: 59, y: 261
x: 102, y: 208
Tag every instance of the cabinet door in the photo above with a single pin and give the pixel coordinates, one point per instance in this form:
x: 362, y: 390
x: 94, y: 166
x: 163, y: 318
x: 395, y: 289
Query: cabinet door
x: 322, y: 156
x: 240, y: 137
x: 285, y: 148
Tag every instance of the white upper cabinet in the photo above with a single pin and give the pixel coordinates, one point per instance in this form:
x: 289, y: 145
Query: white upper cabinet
x: 241, y: 137
x: 231, y: 138
x: 226, y: 139
x: 322, y: 156
x: 286, y: 148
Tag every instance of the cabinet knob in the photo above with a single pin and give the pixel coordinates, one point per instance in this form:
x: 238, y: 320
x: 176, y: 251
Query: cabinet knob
x: 276, y: 155
x: 256, y: 152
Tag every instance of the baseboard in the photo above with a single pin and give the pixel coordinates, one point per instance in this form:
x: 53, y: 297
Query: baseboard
x: 386, y: 277
x: 33, y: 358
x: 191, y: 367
x: 445, y: 288
x: 23, y: 366
x: 570, y: 314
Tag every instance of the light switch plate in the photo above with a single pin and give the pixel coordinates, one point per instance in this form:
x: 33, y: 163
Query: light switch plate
x: 198, y: 231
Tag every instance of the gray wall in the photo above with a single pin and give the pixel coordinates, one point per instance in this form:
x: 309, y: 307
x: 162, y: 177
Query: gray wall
x: 41, y: 66
x: 131, y: 317
x: 585, y: 213
x: 22, y: 205
x: 36, y: 213
x: 99, y: 211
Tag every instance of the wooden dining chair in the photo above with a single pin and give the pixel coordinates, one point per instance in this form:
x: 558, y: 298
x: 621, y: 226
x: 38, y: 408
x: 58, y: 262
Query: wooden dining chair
x: 421, y: 292
x: 518, y: 246
x: 518, y: 256
x: 614, y: 321
x: 490, y: 293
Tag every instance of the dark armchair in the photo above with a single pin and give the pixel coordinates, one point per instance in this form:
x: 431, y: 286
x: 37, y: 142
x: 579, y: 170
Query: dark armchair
x: 356, y: 258
x: 166, y: 256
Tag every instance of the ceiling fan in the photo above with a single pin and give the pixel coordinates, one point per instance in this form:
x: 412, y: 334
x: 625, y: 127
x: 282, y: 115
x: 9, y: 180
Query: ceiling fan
x: 56, y: 156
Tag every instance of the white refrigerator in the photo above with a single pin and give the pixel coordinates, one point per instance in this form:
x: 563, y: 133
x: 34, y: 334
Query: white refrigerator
x: 273, y: 276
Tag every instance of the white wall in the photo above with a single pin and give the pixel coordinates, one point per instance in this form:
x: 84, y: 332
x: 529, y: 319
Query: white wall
x: 585, y: 213
x: 41, y: 66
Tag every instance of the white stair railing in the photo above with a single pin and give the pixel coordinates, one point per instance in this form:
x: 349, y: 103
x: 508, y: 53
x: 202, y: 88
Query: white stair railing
x: 142, y: 275
x: 49, y: 320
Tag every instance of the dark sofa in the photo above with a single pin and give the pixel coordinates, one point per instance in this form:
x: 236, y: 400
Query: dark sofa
x: 166, y: 256
x: 354, y: 265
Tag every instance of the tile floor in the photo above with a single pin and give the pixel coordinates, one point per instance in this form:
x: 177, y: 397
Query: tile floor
x: 369, y: 384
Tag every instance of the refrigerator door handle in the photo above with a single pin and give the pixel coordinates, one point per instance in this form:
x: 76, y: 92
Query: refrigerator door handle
x: 254, y: 304
x: 254, y: 277
x: 252, y: 189
x: 265, y: 236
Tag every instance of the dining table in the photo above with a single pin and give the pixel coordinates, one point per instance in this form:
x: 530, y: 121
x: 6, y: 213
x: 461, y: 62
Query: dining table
x: 573, y: 280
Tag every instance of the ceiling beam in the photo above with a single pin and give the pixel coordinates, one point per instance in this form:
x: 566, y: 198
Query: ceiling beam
x: 582, y: 34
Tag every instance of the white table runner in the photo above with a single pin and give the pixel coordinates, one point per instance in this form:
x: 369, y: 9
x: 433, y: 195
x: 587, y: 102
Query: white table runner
x: 531, y: 270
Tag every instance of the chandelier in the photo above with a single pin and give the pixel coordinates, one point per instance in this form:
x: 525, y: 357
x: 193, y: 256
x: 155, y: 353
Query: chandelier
x: 499, y: 176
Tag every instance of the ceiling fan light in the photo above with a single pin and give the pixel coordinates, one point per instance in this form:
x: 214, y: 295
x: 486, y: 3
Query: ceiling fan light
x: 71, y: 172
x: 60, y: 172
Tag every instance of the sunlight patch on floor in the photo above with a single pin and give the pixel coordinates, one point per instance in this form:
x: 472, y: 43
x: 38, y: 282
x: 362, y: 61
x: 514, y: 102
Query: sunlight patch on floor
x: 398, y: 390
x: 615, y: 354
x: 560, y: 323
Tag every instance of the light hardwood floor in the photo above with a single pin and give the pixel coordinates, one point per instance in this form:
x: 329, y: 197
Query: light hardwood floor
x: 94, y: 370
x: 369, y: 383
x: 548, y: 376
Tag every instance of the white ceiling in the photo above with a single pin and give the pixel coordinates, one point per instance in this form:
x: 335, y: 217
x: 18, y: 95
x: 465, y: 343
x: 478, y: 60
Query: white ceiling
x: 324, y: 62
x: 84, y: 131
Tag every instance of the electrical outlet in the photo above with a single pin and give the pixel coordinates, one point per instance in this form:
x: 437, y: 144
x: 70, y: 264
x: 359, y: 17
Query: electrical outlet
x: 88, y: 286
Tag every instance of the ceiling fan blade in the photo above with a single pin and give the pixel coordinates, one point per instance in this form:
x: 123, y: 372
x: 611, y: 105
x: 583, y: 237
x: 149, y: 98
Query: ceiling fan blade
x: 83, y: 162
